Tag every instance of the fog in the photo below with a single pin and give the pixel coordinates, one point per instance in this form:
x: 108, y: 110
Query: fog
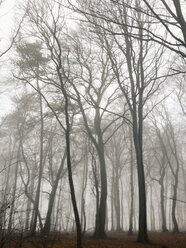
x: 92, y: 119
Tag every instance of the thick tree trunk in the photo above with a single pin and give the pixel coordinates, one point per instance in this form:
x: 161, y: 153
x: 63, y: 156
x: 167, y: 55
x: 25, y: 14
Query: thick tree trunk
x: 138, y: 143
x: 29, y: 203
x: 162, y: 194
x: 101, y: 218
x: 142, y: 233
x: 100, y: 228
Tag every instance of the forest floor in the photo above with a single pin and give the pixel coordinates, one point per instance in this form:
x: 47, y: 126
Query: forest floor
x: 118, y: 240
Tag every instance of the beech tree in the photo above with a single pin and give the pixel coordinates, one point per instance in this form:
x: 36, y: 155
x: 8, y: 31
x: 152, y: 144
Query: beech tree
x: 91, y: 80
x: 87, y: 88
x: 30, y: 56
x: 170, y: 149
x: 159, y: 164
x: 132, y: 57
x: 48, y: 24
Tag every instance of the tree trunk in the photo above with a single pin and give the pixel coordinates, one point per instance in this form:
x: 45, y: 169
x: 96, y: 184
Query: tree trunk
x: 29, y: 203
x: 130, y: 232
x: 37, y: 197
x: 100, y: 228
x: 175, y: 223
x: 117, y: 196
x: 47, y: 225
x: 69, y: 166
x: 84, y: 184
x: 14, y: 192
x: 112, y: 203
x: 137, y: 134
x: 162, y: 195
x: 152, y: 210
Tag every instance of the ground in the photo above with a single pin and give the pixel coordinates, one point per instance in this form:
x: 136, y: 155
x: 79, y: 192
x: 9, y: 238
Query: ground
x: 118, y: 240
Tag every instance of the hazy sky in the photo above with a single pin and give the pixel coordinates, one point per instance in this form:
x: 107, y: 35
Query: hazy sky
x: 6, y: 16
x: 7, y: 11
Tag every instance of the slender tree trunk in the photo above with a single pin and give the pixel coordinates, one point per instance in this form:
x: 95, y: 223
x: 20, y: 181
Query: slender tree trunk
x: 162, y: 201
x: 84, y: 184
x: 29, y: 204
x: 117, y: 196
x: 37, y: 198
x: 175, y: 188
x: 152, y: 210
x: 99, y: 145
x: 112, y: 203
x: 122, y: 205
x: 130, y: 232
x: 58, y: 210
x: 94, y: 170
x: 175, y: 223
x: 47, y: 225
x: 14, y: 192
x: 69, y: 166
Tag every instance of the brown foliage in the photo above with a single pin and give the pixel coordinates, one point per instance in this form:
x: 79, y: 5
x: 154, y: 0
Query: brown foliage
x: 119, y: 240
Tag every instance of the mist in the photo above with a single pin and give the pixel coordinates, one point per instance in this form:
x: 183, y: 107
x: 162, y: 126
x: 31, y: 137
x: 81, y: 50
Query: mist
x: 92, y: 124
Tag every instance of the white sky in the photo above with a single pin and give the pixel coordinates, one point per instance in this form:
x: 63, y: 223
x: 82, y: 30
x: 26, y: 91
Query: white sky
x: 7, y: 20
x: 7, y: 10
x: 6, y: 14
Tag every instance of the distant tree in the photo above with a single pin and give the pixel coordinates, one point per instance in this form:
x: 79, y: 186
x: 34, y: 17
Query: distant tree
x: 92, y: 82
x: 159, y: 164
x: 47, y: 225
x: 173, y: 146
x: 48, y: 24
x: 31, y: 56
x: 131, y: 57
x: 115, y: 150
x: 169, y: 145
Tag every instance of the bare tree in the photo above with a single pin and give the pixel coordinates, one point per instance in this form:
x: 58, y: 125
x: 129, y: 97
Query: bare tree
x: 48, y: 24
x: 169, y: 146
x: 91, y: 83
x: 131, y: 59
x: 172, y: 22
x: 158, y: 163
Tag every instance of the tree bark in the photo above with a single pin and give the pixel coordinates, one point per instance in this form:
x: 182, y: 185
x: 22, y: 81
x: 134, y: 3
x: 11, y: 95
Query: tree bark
x: 138, y: 143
